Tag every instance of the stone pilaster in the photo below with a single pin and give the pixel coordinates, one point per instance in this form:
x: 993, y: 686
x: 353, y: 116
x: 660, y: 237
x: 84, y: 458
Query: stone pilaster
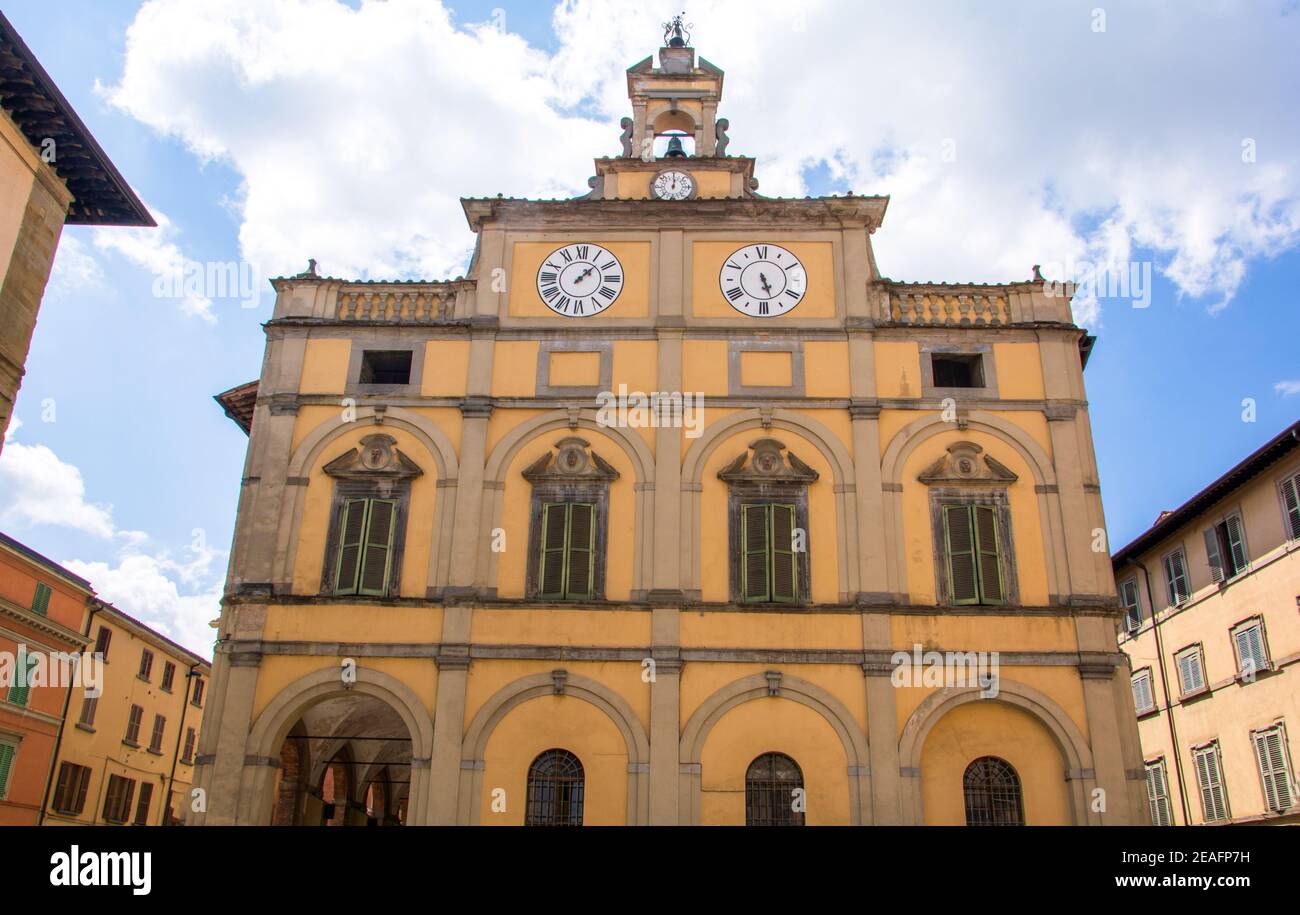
x: 665, y: 717
x: 882, y: 725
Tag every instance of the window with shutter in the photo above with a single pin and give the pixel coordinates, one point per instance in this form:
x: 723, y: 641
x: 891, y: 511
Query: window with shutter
x: 1143, y: 699
x: 7, y: 753
x: 1291, y: 506
x: 133, y: 725
x: 1128, y: 596
x: 1252, y: 655
x: 102, y: 639
x: 974, y: 560
x: 755, y: 567
x: 19, y: 693
x: 1191, y: 676
x: 352, y: 527
x: 89, y: 706
x: 41, y: 600
x: 70, y: 793
x: 1274, y: 766
x: 187, y: 756
x: 1176, y: 578
x: 156, y: 739
x: 769, y: 566
x: 365, y: 546
x: 117, y: 798
x: 146, y: 664
x: 568, y: 551
x: 142, y: 809
x: 169, y: 676
x: 1225, y: 547
x: 1209, y: 778
x: 1158, y: 794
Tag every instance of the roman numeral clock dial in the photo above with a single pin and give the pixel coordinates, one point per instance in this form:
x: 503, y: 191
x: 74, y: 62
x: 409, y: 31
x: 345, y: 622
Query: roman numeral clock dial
x: 580, y: 280
x: 763, y: 281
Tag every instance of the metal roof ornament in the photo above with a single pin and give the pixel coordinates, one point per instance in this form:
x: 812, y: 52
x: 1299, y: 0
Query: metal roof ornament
x: 677, y: 33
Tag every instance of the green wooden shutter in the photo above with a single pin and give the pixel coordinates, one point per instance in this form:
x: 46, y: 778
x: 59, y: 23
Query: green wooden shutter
x: 555, y: 525
x: 580, y: 561
x: 18, y: 695
x: 376, y: 559
x: 785, y: 573
x: 7, y: 751
x: 755, y: 565
x: 1236, y: 544
x: 959, y: 534
x: 1128, y: 595
x: 41, y: 601
x: 1291, y: 501
x: 352, y: 527
x: 990, y: 556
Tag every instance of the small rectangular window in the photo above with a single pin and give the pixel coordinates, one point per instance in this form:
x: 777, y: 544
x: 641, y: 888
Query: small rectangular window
x: 146, y: 664
x: 89, y: 706
x: 1274, y: 759
x: 953, y: 370
x: 1251, y: 647
x: 169, y: 675
x: 386, y: 366
x: 102, y: 639
x: 974, y: 558
x: 156, y: 739
x: 7, y: 753
x: 41, y: 600
x: 1225, y: 548
x: 1128, y: 597
x: 70, y: 792
x: 198, y: 693
x: 1176, y: 578
x: 1142, y: 697
x: 117, y: 798
x: 1209, y: 778
x: 1191, y: 672
x: 187, y: 755
x: 142, y: 809
x: 1291, y: 506
x: 133, y: 726
x: 1158, y: 794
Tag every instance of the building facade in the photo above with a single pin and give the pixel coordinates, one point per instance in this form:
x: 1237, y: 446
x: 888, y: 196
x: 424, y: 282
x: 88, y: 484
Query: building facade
x: 481, y: 575
x: 52, y: 173
x: 1210, y: 593
x: 42, y: 611
x: 127, y: 755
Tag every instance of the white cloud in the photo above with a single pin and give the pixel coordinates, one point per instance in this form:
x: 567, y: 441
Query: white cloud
x: 1288, y: 388
x: 356, y: 130
x: 142, y: 585
x: 40, y: 488
x: 153, y: 250
x: 75, y: 268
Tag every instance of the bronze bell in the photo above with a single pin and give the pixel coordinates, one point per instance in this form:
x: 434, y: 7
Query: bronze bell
x: 675, y: 150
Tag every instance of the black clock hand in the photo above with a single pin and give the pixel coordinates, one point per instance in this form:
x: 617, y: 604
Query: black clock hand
x: 763, y: 279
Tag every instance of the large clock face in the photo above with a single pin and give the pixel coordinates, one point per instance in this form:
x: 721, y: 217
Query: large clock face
x: 673, y: 185
x: 580, y: 280
x: 763, y: 281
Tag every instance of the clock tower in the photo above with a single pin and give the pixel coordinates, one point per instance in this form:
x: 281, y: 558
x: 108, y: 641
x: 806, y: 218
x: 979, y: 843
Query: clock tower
x: 662, y: 515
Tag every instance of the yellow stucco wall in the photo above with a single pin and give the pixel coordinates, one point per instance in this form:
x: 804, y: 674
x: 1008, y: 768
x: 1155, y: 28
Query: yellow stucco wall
x: 632, y: 302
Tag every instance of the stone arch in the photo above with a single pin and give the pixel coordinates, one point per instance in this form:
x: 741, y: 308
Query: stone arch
x: 820, y: 437
x: 906, y: 440
x: 758, y: 686
x: 305, y: 456
x: 1043, y: 708
x: 262, y: 746
x: 504, y: 700
x: 503, y: 454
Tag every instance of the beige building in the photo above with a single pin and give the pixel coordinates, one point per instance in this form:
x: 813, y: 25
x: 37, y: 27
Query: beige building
x: 480, y: 577
x: 52, y: 173
x: 126, y: 757
x: 1213, y: 634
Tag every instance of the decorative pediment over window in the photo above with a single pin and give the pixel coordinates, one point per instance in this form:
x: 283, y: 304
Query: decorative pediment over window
x: 966, y: 462
x: 767, y: 461
x: 572, y: 462
x: 376, y: 460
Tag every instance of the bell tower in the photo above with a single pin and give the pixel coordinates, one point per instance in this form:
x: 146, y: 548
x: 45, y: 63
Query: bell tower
x: 680, y: 96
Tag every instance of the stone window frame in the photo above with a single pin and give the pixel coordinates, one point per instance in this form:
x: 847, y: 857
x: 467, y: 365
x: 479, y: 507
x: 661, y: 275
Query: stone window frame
x: 1153, y: 707
x: 389, y: 341
x: 543, y: 386
x: 988, y: 369
x: 1183, y: 692
x: 740, y: 494
x: 345, y: 490
x: 595, y: 494
x: 735, y: 381
x: 1255, y: 619
x: 940, y: 497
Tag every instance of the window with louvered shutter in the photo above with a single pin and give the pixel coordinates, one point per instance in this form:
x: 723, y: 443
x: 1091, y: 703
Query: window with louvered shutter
x: 1128, y: 596
x: 582, y: 545
x: 146, y: 664
x: 117, y: 798
x: 972, y: 539
x: 169, y: 676
x: 133, y: 725
x: 1252, y: 655
x: 352, y: 531
x: 1158, y: 795
x: 375, y: 565
x: 755, y: 566
x: 102, y: 640
x: 188, y: 754
x: 19, y: 693
x: 1176, y: 578
x: 1274, y: 767
x: 7, y: 753
x: 1142, y: 697
x: 156, y: 739
x: 555, y: 524
x: 567, y: 564
x: 70, y: 791
x: 41, y: 600
x: 1209, y: 778
x: 142, y: 809
x: 1213, y: 554
x: 1291, y: 506
x: 1191, y: 676
x: 769, y: 566
x: 89, y: 706
x: 1236, y: 541
x: 784, y: 572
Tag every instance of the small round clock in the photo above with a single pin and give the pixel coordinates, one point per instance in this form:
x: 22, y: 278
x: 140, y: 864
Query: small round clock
x: 579, y: 280
x: 763, y: 281
x: 673, y: 184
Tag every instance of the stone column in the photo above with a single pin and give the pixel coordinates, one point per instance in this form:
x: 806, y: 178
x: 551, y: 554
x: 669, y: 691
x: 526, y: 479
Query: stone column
x: 665, y: 717
x: 449, y: 716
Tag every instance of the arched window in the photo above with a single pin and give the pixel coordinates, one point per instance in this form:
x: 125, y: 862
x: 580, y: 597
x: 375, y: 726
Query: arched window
x: 992, y: 791
x: 555, y: 790
x: 774, y: 792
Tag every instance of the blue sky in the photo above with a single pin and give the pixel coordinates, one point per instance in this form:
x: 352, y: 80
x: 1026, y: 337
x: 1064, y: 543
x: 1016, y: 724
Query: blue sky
x: 207, y: 137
